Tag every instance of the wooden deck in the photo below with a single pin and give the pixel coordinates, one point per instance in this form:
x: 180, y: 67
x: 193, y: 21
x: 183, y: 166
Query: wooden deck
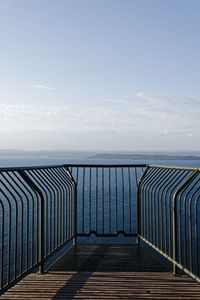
x: 105, y: 272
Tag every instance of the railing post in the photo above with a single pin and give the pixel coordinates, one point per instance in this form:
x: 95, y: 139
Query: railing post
x: 29, y: 181
x: 184, y: 185
x: 75, y: 215
x: 74, y: 206
x: 42, y: 237
x: 139, y: 205
x: 138, y: 214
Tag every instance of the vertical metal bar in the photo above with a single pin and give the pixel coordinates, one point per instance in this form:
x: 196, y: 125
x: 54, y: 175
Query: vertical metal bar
x: 129, y: 192
x: 90, y: 192
x: 122, y: 173
x: 64, y: 207
x: 180, y: 215
x: 71, y: 215
x: 116, y: 206
x: 2, y: 242
x: 190, y: 235
x: 197, y: 235
x: 136, y: 176
x: 68, y: 217
x: 96, y: 200
x: 75, y: 215
x: 69, y: 199
x: 77, y: 173
x: 83, y: 201
x: 58, y: 181
x: 103, y: 200
x: 109, y: 187
x: 139, y: 204
x: 72, y: 185
x: 76, y: 191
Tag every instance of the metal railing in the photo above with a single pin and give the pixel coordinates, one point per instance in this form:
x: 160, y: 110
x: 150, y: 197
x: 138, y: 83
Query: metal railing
x: 44, y: 208
x: 107, y: 199
x: 37, y: 210
x: 169, y: 215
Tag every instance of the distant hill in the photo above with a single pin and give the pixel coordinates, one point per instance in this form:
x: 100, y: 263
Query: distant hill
x: 121, y: 155
x: 145, y: 156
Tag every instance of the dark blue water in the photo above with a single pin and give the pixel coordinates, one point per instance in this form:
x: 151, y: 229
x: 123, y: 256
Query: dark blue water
x: 16, y: 161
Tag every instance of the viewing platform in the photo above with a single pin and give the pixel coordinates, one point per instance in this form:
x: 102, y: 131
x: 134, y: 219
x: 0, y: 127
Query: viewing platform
x: 103, y: 271
x: 100, y: 232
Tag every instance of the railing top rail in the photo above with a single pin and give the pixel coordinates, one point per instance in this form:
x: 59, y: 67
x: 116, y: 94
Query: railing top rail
x: 72, y: 165
x: 174, y: 168
x: 106, y: 165
x: 86, y: 165
x: 32, y: 167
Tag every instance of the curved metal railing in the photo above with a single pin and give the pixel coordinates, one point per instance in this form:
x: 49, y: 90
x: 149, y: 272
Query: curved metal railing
x: 169, y: 215
x: 37, y: 209
x: 107, y: 199
x: 44, y: 208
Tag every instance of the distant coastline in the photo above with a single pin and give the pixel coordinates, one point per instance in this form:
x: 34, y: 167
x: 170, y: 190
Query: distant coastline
x: 145, y: 156
x: 102, y: 155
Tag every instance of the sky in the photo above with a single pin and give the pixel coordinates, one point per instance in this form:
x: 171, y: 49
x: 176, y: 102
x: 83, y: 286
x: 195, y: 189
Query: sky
x: 100, y: 75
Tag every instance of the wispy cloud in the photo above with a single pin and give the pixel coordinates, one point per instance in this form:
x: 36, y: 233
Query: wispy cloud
x: 138, y: 118
x: 117, y: 100
x: 152, y: 120
x: 42, y: 87
x: 171, y: 101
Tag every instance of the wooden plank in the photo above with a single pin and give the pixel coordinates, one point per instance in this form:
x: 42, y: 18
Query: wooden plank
x: 97, y: 285
x: 113, y: 276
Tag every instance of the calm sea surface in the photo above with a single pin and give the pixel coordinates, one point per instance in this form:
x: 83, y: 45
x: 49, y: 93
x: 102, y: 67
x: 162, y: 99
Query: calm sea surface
x: 16, y: 161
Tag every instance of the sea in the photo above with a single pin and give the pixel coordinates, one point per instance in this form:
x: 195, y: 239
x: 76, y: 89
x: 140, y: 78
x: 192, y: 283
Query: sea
x: 18, y: 158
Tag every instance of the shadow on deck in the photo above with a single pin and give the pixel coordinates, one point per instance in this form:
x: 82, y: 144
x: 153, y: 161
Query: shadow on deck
x: 89, y: 271
x: 107, y: 258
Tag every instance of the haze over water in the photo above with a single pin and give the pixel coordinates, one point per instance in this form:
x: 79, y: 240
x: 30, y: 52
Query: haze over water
x: 17, y: 158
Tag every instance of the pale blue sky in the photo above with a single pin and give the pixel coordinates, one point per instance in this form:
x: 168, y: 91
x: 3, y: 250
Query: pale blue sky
x: 100, y: 74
